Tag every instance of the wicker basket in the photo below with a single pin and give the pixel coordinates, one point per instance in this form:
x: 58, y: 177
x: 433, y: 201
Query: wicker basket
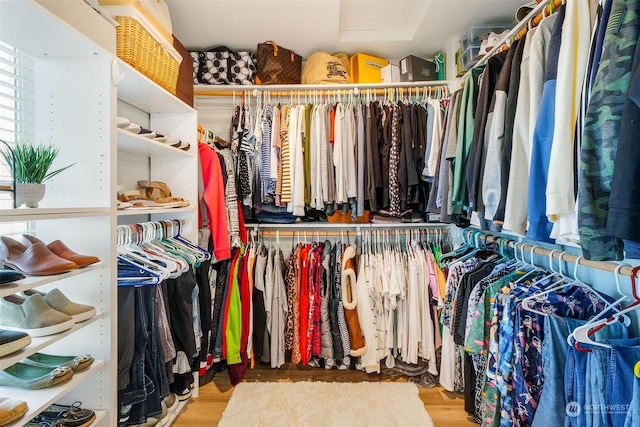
x: 136, y: 46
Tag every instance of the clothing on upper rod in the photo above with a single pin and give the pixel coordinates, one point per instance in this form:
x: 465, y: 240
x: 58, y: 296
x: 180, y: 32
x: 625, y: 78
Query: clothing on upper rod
x: 293, y: 160
x: 530, y: 149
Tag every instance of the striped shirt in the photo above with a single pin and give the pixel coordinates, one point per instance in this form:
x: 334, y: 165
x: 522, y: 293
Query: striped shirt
x: 284, y: 154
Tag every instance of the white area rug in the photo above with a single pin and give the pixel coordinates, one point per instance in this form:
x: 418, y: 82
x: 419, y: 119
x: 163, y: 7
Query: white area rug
x: 325, y: 404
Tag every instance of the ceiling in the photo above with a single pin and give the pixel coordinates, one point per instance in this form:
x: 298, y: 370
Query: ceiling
x: 390, y: 29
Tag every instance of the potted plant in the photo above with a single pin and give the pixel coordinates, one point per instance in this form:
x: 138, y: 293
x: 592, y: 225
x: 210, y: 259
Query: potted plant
x: 31, y: 170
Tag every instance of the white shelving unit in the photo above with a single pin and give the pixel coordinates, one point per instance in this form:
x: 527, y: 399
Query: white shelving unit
x: 74, y: 110
x: 76, y: 104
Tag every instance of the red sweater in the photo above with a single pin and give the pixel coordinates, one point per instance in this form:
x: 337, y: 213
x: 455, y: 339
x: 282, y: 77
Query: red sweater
x: 214, y: 200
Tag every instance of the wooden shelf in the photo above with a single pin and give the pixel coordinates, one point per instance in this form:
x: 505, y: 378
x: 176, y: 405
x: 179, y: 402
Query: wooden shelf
x: 39, y: 343
x: 41, y: 399
x: 138, y: 90
x: 37, y: 214
x: 31, y: 282
x: 135, y: 144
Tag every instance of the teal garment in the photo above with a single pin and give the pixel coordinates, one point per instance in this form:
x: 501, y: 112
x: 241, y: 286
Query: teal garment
x: 602, y: 131
x: 466, y: 121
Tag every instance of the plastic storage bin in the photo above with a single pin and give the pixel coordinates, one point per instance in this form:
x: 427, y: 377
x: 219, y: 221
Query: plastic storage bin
x: 469, y: 57
x: 474, y: 36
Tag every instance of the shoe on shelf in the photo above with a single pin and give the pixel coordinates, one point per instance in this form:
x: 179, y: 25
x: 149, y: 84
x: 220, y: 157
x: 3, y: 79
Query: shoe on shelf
x: 122, y: 122
x: 11, y: 409
x: 151, y: 421
x: 9, y: 276
x: 34, y: 377
x: 183, y: 394
x: 67, y: 416
x: 12, y: 341
x: 32, y: 315
x: 37, y: 259
x: 76, y: 363
x: 60, y: 249
x: 58, y: 301
x: 171, y: 402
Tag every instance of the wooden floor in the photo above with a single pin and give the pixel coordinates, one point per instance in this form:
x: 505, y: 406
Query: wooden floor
x: 446, y: 409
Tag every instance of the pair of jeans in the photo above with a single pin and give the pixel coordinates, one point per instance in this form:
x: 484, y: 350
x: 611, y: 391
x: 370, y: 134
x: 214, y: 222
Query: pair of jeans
x: 552, y: 405
x: 148, y: 383
x: 584, y: 374
x: 621, y: 389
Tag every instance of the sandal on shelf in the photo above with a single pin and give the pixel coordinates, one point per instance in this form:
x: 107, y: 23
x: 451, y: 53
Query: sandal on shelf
x: 160, y: 193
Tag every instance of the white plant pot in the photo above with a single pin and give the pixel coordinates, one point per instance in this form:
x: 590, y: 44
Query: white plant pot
x: 29, y: 194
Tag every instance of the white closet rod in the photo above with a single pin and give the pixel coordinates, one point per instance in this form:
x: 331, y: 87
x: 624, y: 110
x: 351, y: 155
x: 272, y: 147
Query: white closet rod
x: 337, y: 225
x: 302, y: 88
x: 487, y: 237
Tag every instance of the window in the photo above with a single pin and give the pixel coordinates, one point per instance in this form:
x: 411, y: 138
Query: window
x: 17, y: 116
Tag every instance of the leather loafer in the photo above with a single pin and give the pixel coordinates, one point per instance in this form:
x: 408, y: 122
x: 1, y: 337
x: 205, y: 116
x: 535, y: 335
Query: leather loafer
x: 60, y: 249
x: 37, y: 259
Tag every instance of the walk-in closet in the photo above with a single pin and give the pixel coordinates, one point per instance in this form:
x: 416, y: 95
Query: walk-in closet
x: 319, y: 213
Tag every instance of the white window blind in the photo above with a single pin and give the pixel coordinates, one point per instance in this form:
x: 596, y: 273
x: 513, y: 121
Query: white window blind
x: 17, y: 116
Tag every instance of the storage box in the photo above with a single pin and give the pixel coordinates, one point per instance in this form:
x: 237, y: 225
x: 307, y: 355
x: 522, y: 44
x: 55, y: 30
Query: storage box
x: 366, y: 68
x: 184, y: 86
x: 474, y: 36
x: 390, y: 73
x: 145, y: 46
x: 469, y: 57
x: 414, y: 69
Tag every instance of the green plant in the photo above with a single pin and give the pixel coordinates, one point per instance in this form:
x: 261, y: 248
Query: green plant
x: 32, y: 162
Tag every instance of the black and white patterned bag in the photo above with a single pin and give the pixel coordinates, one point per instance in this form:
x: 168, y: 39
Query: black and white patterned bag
x: 222, y: 66
x: 242, y: 68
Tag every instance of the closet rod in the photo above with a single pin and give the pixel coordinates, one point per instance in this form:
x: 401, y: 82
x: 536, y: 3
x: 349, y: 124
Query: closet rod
x: 522, y: 25
x: 363, y: 226
x: 335, y: 233
x: 553, y: 5
x: 285, y: 90
x: 567, y: 257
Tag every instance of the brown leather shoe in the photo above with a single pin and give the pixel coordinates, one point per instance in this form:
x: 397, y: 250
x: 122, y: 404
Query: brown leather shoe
x: 37, y: 259
x: 60, y: 249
